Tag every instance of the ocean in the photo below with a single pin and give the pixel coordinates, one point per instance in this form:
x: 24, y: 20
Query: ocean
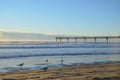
x: 57, y: 54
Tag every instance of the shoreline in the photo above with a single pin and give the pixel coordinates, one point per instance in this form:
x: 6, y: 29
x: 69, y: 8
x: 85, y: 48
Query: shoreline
x: 94, y: 71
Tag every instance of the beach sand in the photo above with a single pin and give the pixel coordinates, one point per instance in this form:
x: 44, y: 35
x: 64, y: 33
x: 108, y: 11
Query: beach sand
x: 98, y: 71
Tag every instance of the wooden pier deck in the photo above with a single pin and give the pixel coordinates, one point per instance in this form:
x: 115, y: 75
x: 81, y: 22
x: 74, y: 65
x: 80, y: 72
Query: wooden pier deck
x: 87, y: 37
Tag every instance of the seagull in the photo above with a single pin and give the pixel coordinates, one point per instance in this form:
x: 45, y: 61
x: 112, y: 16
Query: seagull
x: 62, y: 61
x: 45, y: 68
x: 21, y: 64
x: 46, y: 60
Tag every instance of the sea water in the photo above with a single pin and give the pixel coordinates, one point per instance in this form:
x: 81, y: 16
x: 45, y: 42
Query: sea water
x: 34, y: 56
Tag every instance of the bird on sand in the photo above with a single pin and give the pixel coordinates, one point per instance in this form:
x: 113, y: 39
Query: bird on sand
x: 21, y: 64
x: 45, y: 68
x: 62, y: 61
x: 46, y: 60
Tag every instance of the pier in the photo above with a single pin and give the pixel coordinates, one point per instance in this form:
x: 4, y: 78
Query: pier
x: 59, y: 39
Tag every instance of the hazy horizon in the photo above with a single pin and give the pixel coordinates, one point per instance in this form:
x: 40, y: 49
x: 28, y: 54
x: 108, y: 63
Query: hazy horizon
x: 41, y: 37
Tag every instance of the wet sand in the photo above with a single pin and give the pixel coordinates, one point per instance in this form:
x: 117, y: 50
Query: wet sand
x: 98, y: 71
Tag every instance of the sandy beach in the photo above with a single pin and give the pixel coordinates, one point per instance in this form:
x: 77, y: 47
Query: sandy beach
x: 98, y: 71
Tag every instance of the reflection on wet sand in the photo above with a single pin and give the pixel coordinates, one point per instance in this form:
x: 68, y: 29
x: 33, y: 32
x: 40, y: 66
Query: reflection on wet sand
x: 97, y: 71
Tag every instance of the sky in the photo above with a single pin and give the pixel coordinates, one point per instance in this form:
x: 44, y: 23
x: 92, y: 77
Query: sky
x: 63, y: 17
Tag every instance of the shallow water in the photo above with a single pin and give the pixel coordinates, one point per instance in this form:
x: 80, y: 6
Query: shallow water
x: 34, y: 56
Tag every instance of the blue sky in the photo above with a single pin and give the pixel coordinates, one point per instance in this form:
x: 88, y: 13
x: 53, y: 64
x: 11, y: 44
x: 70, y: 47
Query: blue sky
x: 69, y: 17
